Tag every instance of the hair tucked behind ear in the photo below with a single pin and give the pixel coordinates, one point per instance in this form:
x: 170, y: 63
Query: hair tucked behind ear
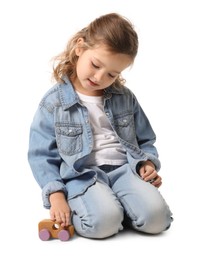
x: 113, y: 30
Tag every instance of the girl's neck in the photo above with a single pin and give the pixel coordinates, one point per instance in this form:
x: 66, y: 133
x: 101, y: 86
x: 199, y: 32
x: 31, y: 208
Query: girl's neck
x: 80, y: 89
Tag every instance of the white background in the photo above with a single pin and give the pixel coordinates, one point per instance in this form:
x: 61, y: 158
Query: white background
x: 167, y: 78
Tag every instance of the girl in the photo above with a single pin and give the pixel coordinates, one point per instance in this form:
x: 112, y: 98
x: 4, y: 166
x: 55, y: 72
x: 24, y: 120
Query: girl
x: 91, y: 146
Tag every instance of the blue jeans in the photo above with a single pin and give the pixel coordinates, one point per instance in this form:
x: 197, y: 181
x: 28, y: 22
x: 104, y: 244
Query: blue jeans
x: 117, y: 195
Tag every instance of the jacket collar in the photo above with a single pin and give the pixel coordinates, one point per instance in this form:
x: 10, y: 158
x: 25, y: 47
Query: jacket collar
x: 68, y: 96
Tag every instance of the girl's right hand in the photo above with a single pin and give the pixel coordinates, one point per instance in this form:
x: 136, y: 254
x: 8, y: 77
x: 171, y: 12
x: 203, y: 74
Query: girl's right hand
x: 60, y: 210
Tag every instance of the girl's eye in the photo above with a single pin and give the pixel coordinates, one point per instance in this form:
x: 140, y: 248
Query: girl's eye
x: 95, y: 66
x: 112, y: 76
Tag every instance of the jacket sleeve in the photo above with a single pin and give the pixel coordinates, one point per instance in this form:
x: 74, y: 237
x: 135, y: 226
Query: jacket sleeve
x: 146, y: 137
x: 43, y: 155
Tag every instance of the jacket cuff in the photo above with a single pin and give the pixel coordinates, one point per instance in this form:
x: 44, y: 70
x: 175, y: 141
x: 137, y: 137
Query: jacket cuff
x: 154, y: 160
x: 52, y: 187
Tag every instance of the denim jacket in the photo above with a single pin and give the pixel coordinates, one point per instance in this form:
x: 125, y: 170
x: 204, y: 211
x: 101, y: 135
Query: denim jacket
x: 61, y: 138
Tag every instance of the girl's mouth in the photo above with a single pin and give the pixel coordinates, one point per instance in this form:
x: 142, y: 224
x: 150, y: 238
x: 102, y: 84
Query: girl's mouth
x: 92, y: 83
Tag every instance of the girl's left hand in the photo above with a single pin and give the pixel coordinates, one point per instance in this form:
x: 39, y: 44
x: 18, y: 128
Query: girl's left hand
x: 149, y: 174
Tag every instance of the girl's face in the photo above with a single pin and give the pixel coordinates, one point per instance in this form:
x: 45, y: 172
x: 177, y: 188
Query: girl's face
x: 97, y: 69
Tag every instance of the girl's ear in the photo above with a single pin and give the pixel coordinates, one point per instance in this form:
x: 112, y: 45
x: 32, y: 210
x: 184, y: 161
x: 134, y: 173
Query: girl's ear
x: 79, y: 45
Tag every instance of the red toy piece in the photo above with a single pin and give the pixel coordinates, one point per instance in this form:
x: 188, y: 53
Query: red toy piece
x: 48, y: 228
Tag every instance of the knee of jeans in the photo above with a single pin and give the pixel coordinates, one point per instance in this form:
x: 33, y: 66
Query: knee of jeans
x: 154, y: 221
x: 101, y: 225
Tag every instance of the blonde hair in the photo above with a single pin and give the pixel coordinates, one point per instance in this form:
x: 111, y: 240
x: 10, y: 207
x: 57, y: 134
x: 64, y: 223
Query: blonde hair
x: 113, y: 30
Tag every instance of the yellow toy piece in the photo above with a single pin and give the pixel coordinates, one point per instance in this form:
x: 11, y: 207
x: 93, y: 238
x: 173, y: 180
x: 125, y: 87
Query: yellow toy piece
x: 48, y: 228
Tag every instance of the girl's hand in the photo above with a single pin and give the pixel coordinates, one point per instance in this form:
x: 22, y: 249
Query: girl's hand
x: 149, y: 174
x: 60, y: 210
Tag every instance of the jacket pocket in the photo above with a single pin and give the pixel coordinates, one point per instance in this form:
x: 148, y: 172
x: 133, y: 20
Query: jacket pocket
x: 124, y: 127
x: 69, y: 138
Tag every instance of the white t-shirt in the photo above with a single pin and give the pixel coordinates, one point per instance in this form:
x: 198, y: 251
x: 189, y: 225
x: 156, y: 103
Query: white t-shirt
x: 106, y: 148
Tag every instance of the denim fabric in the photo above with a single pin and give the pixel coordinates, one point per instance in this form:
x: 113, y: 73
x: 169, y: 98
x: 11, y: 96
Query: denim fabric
x: 61, y: 138
x: 118, y: 192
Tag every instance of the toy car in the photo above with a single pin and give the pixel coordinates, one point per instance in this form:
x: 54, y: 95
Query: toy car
x: 48, y: 228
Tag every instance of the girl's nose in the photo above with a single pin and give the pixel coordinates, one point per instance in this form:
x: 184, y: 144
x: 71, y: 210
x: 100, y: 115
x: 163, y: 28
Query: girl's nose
x: 98, y: 76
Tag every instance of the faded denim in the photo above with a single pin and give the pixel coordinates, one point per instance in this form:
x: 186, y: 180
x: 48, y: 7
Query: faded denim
x: 61, y: 138
x: 119, y: 196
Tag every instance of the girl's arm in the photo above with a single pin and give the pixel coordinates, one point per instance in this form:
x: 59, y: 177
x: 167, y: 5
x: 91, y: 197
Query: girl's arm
x: 43, y: 155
